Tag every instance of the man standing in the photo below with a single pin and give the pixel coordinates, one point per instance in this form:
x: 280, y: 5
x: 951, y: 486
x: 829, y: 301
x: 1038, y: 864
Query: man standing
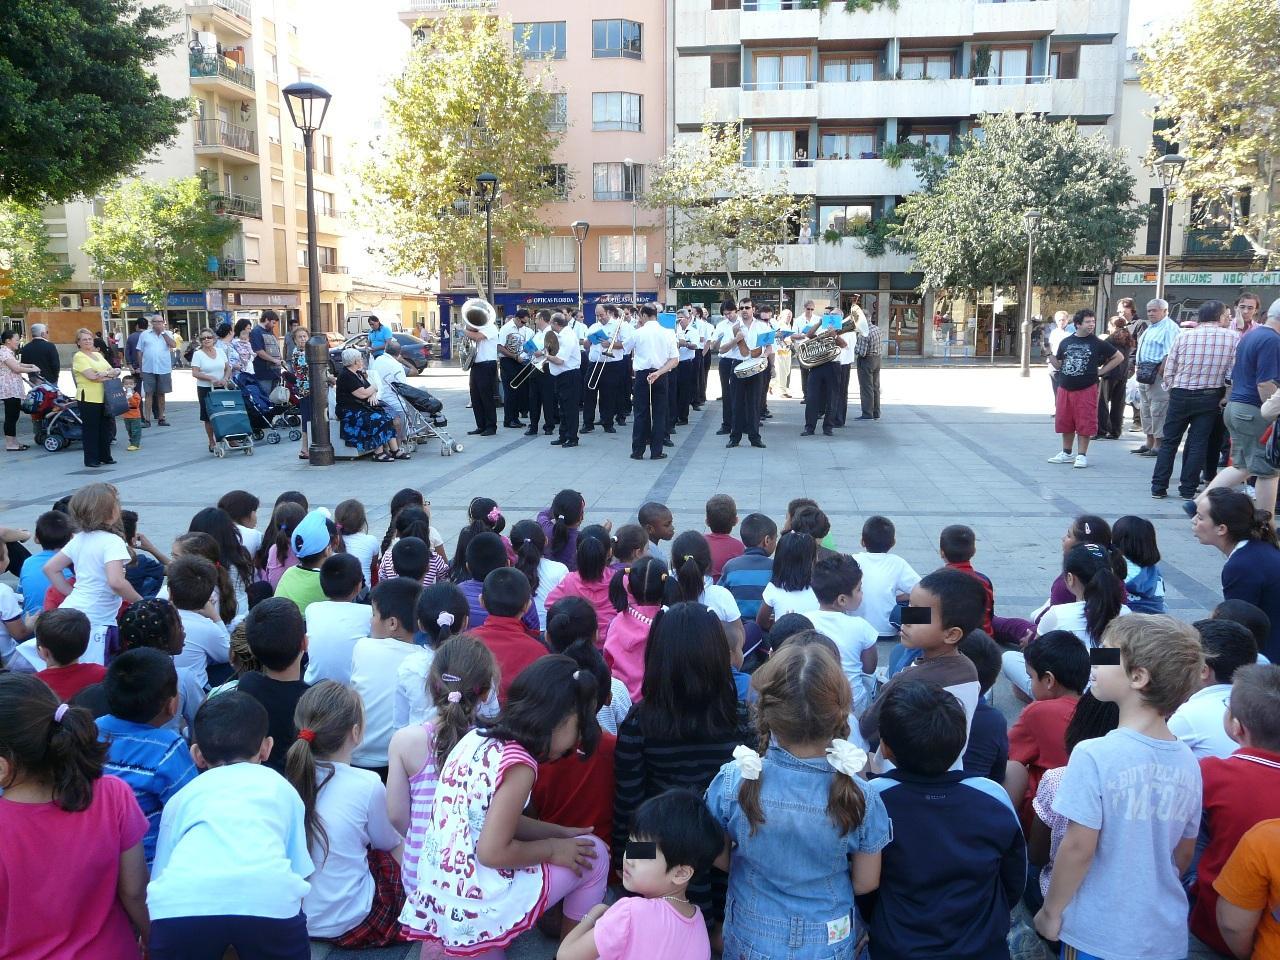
x: 744, y: 392
x: 804, y: 322
x: 1195, y: 374
x: 869, y: 349
x: 1255, y: 375
x: 689, y: 341
x: 1153, y: 348
x: 566, y: 370
x: 848, y: 357
x: 542, y: 396
x: 1061, y: 330
x: 820, y: 395
x: 266, y: 351
x: 609, y: 352
x: 722, y: 335
x: 654, y: 355
x: 155, y: 349
x: 510, y: 362
x: 378, y: 337
x: 1080, y: 360
x: 42, y: 353
x: 1248, y: 306
x: 484, y: 379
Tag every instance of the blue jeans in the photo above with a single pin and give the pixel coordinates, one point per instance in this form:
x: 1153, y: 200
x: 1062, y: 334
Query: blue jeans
x: 207, y: 938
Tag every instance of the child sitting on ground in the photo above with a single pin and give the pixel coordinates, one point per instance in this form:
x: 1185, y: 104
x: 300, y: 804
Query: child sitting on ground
x: 62, y: 637
x: 337, y: 622
x: 277, y: 637
x: 206, y: 641
x: 231, y: 862
x: 1198, y: 723
x: 1247, y: 903
x: 659, y: 527
x: 957, y: 545
x: 837, y: 583
x: 1135, y: 538
x: 1250, y: 616
x: 312, y: 542
x: 543, y: 573
x: 722, y: 517
x: 441, y: 613
x: 142, y: 694
x: 410, y: 558
x: 275, y: 554
x: 987, y: 752
x: 629, y: 542
x: 745, y: 578
x: 145, y: 570
x: 53, y: 532
x: 506, y: 598
x: 790, y: 586
x: 375, y: 664
x: 595, y: 572
x: 887, y: 580
x: 637, y: 596
x: 574, y: 629
x: 487, y: 552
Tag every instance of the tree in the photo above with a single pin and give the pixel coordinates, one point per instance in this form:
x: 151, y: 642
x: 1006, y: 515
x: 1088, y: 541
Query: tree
x: 722, y: 210
x: 1213, y: 76
x: 966, y: 225
x: 158, y: 237
x: 24, y: 247
x: 79, y: 105
x: 463, y: 106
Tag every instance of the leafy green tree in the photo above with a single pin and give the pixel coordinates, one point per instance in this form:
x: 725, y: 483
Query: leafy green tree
x: 463, y: 106
x: 721, y: 209
x: 966, y: 225
x: 24, y: 249
x: 158, y: 237
x: 1213, y: 75
x: 79, y: 105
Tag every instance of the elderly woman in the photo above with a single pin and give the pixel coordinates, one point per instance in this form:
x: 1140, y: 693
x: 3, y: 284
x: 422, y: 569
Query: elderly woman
x: 91, y: 369
x: 242, y: 347
x: 295, y: 358
x: 12, y: 389
x: 211, y: 370
x: 363, y: 423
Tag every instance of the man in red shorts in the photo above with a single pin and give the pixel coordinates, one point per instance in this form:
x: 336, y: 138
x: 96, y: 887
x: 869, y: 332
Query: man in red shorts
x: 1081, y: 359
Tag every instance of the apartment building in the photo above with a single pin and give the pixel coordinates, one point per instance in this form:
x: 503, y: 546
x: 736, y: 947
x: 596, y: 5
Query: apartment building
x: 609, y: 59
x: 830, y: 97
x: 233, y: 61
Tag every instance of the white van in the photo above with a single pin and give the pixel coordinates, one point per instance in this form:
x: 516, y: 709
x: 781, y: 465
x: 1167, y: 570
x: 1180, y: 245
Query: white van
x: 358, y: 321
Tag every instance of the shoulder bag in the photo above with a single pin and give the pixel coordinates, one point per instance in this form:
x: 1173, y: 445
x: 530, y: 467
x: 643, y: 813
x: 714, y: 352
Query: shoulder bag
x: 113, y: 398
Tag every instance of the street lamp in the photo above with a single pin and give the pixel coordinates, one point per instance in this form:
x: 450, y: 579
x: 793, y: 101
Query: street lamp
x: 580, y: 229
x: 308, y: 104
x: 1031, y: 221
x: 631, y: 179
x: 487, y: 191
x: 1169, y: 169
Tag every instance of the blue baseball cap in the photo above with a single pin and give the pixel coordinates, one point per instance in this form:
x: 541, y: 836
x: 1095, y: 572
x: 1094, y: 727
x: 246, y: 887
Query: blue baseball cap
x: 312, y: 535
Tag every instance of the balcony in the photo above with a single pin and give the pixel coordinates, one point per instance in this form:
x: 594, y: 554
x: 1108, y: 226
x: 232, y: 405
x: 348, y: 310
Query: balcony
x: 1212, y: 242
x: 846, y: 256
x: 464, y: 279
x: 795, y: 176
x: 219, y: 73
x: 220, y: 138
x: 762, y: 22
x: 237, y: 205
x: 447, y: 6
x: 230, y: 268
x: 960, y: 97
x: 864, y: 178
x: 234, y: 16
x: 780, y: 100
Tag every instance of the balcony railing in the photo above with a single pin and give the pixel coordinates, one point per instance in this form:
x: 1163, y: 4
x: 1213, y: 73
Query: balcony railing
x: 772, y: 85
x: 466, y: 280
x: 231, y: 269
x: 215, y: 133
x: 240, y: 8
x: 237, y: 205
x: 216, y: 66
x: 435, y: 6
x: 333, y: 268
x: 1216, y: 242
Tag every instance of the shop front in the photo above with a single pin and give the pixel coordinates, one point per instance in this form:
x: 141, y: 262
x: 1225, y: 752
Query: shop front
x: 186, y: 311
x: 1186, y: 290
x: 778, y: 291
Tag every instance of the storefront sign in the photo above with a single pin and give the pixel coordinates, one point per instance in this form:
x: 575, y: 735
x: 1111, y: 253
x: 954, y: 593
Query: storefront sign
x: 1244, y: 278
x: 783, y: 281
x: 176, y: 300
x: 213, y: 299
x: 252, y: 298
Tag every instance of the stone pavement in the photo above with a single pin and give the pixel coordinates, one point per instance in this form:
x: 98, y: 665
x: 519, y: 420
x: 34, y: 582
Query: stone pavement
x: 962, y: 444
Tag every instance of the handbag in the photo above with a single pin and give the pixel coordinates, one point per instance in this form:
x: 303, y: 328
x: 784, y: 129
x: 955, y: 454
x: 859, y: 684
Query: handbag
x: 1271, y: 445
x: 1148, y: 370
x: 113, y: 398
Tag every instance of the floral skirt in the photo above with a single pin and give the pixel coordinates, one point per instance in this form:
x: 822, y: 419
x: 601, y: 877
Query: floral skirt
x: 368, y: 428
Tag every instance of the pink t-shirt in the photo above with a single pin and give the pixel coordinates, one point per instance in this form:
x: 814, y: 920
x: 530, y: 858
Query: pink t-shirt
x: 635, y: 928
x: 625, y: 644
x: 596, y: 594
x: 276, y: 569
x: 58, y: 875
x: 724, y: 547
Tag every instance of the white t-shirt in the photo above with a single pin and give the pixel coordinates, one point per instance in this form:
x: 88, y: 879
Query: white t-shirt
x: 386, y: 370
x: 207, y: 642
x: 412, y: 705
x: 333, y: 627
x: 251, y: 538
x: 352, y: 806
x: 720, y: 601
x: 486, y: 351
x: 364, y: 547
x: 214, y: 366
x: 550, y: 573
x: 375, y: 663
x: 853, y: 636
x: 232, y: 842
x: 789, y: 601
x: 884, y: 576
x: 10, y: 609
x: 1069, y: 617
x: 1199, y: 722
x: 90, y: 553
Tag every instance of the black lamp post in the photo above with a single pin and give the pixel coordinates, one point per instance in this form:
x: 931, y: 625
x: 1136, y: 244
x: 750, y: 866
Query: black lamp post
x: 580, y: 229
x: 1030, y: 220
x: 1169, y: 169
x: 308, y: 104
x: 487, y: 192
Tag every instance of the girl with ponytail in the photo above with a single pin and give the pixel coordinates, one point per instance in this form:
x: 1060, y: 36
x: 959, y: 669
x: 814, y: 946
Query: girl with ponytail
x: 1247, y: 537
x: 637, y: 594
x: 483, y: 516
x: 798, y: 815
x: 356, y: 895
x: 629, y: 544
x: 544, y: 574
x: 691, y: 563
x: 72, y: 837
x: 275, y: 555
x: 574, y: 630
x: 590, y: 578
x: 413, y: 522
x: 442, y: 612
x: 560, y: 523
x: 463, y: 675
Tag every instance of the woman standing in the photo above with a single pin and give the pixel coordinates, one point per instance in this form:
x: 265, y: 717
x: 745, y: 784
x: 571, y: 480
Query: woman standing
x: 782, y: 352
x: 91, y: 370
x: 211, y: 370
x: 242, y: 347
x: 226, y: 337
x: 1111, y: 392
x: 296, y: 362
x: 364, y: 425
x: 11, y: 387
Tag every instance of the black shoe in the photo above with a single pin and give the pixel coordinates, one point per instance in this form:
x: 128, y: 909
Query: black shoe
x: 587, y: 430
x: 766, y: 415
x: 548, y: 430
x: 511, y: 426
x: 108, y: 463
x: 683, y: 422
x: 491, y: 432
x: 476, y: 432
x: 531, y: 432
x: 828, y: 432
x: 658, y: 456
x: 637, y: 456
x: 696, y: 406
x: 1159, y: 494
x: 558, y: 441
x: 732, y: 443
x: 723, y: 432
x: 668, y: 443
x: 864, y: 417
x: 622, y: 421
x: 608, y: 430
x: 806, y: 432
x: 571, y: 443
x: 758, y: 443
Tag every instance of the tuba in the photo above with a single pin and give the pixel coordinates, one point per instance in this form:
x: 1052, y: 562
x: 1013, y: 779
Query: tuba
x: 476, y: 313
x: 822, y: 347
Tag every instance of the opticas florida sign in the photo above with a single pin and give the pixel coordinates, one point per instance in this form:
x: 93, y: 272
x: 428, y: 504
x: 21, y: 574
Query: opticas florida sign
x: 1246, y: 278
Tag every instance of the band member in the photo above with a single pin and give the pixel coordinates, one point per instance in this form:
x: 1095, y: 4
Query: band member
x: 744, y: 392
x: 608, y: 392
x: 802, y: 323
x: 542, y: 397
x: 722, y: 335
x: 689, y: 340
x: 483, y: 379
x: 565, y: 369
x: 766, y: 316
x: 654, y: 355
x: 848, y: 357
x: 706, y: 328
x: 820, y: 395
x: 510, y: 362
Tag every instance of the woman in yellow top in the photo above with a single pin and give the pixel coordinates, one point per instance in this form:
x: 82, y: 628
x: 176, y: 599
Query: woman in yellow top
x: 91, y: 370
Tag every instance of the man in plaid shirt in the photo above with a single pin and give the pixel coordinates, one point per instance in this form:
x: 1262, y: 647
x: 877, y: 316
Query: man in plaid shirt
x: 1195, y: 374
x: 868, y: 350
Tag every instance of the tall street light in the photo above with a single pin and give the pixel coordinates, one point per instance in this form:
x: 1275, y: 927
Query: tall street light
x: 631, y: 179
x: 487, y: 192
x: 580, y: 229
x: 308, y: 104
x: 1169, y: 169
x: 1031, y: 221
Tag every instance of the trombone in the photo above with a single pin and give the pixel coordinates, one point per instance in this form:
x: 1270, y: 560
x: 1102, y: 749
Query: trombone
x: 597, y: 369
x: 525, y: 372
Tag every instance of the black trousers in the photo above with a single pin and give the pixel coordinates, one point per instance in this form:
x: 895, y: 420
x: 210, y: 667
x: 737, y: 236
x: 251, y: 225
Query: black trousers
x: 625, y: 389
x: 12, y: 410
x: 96, y: 433
x: 515, y: 399
x: 745, y: 400
x: 764, y: 391
x: 615, y: 393
x: 592, y: 398
x: 484, y: 381
x: 842, y: 392
x: 542, y: 400
x: 1111, y: 406
x: 820, y: 396
x: 1193, y: 412
x: 686, y: 387
x: 804, y: 379
x: 704, y: 374
x: 726, y: 389
x: 673, y: 393
x: 1219, y: 444
x: 869, y: 385
x: 567, y: 389
x: 649, y: 412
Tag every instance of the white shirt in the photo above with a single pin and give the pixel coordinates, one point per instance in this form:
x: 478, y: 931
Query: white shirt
x: 652, y: 346
x: 721, y: 332
x: 374, y: 666
x: 1199, y: 723
x: 783, y: 602
x: 352, y: 806
x: 569, y: 352
x: 1056, y: 336
x: 89, y: 554
x: 884, y: 576
x: 509, y: 327
x: 804, y: 322
x: 720, y: 601
x: 595, y: 353
x: 486, y: 349
x: 412, y: 706
x: 232, y: 842
x: 10, y: 609
x: 214, y: 366
x: 251, y: 538
x: 849, y: 352
x: 852, y: 636
x: 207, y: 642
x: 364, y: 547
x: 756, y: 329
x: 550, y: 573
x: 333, y: 627
x: 1069, y: 617
x: 386, y: 370
x: 689, y: 334
x: 156, y: 352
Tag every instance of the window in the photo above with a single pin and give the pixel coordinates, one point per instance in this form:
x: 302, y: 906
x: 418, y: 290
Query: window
x: 615, y: 254
x: 938, y: 141
x: 325, y: 256
x: 535, y: 41
x: 772, y: 148
x: 726, y: 70
x: 326, y: 154
x: 252, y: 249
x: 847, y: 145
x: 326, y: 206
x: 841, y: 216
x: 848, y: 69
x: 616, y: 111
x: 550, y: 255
x: 559, y: 116
x: 779, y: 71
x: 616, y: 38
x: 273, y: 127
x: 925, y: 66
x: 726, y: 4
x: 557, y: 175
x: 274, y: 64
x: 617, y: 181
x: 1010, y: 66
x: 1064, y: 62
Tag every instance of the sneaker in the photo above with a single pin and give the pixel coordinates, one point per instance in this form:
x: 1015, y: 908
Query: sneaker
x: 133, y: 447
x: 1159, y: 494
x: 1081, y: 461
x: 1062, y: 456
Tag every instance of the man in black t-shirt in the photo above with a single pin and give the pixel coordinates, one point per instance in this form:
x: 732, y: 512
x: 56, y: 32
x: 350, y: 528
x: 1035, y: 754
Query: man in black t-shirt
x: 1080, y: 360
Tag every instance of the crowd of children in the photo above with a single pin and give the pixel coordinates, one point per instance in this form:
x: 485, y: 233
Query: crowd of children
x: 644, y: 742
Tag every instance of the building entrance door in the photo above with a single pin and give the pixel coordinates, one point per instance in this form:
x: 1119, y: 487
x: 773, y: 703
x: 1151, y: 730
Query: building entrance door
x: 905, y: 329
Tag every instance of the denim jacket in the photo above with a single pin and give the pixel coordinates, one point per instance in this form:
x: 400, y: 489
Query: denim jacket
x: 790, y: 890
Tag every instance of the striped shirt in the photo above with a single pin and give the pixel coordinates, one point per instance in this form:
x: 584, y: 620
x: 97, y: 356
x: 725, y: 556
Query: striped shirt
x: 1157, y: 340
x: 1201, y: 358
x: 422, y: 794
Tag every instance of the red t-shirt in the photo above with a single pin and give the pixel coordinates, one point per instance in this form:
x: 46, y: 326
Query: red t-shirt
x: 1239, y: 792
x: 512, y: 646
x: 724, y: 548
x: 573, y: 792
x: 58, y: 876
x: 1038, y: 739
x: 989, y: 603
x: 67, y: 681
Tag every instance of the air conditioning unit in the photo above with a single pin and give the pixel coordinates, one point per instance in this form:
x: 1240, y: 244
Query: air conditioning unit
x: 68, y: 301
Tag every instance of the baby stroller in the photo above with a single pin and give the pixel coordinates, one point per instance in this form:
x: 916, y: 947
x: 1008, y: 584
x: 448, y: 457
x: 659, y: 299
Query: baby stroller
x: 424, y: 420
x: 265, y: 417
x: 55, y: 417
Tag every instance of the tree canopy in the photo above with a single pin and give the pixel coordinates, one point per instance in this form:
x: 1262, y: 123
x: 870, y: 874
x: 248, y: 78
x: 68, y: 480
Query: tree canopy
x: 966, y: 226
x: 79, y: 105
x: 24, y: 249
x: 1213, y: 75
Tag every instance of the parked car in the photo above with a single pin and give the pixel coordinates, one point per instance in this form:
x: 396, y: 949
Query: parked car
x: 413, y: 351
